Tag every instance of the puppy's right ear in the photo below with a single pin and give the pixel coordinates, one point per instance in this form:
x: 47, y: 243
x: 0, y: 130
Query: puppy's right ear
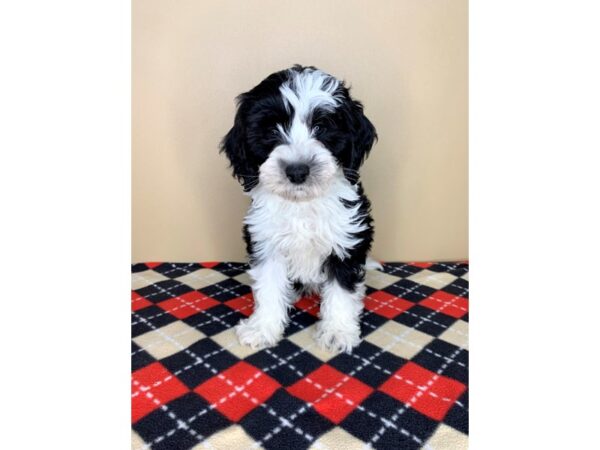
x: 234, y: 146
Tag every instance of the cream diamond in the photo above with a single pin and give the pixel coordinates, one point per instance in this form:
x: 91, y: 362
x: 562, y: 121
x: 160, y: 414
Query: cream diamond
x: 140, y: 280
x: 457, y: 334
x: 137, y: 443
x: 436, y: 280
x: 168, y: 340
x: 379, y: 280
x: 446, y: 437
x: 202, y: 278
x: 230, y: 438
x: 337, y: 439
x: 399, y: 339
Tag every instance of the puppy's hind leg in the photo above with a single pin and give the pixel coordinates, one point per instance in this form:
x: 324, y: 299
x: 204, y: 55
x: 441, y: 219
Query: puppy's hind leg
x: 373, y: 264
x: 273, y: 295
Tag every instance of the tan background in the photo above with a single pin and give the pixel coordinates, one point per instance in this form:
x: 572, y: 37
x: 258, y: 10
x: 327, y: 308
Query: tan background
x: 406, y: 60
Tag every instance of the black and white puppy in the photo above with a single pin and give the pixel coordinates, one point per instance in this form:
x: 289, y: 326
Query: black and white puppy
x: 296, y: 145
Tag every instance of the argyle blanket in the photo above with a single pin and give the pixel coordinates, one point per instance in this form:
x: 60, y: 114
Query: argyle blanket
x: 194, y: 386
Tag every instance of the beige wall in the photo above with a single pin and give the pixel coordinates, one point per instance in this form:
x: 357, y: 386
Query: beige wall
x: 406, y: 60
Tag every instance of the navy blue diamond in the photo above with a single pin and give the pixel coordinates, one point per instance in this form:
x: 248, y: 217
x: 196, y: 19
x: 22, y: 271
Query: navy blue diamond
x: 214, y: 320
x: 410, y: 430
x: 231, y: 269
x: 368, y: 363
x: 149, y: 319
x: 460, y: 287
x: 458, y: 416
x: 286, y: 363
x: 401, y: 269
x: 175, y: 270
x: 299, y: 320
x: 139, y: 267
x: 409, y: 290
x: 163, y: 290
x: 447, y: 358
x: 201, y: 361
x: 425, y: 320
x: 226, y: 290
x: 298, y: 424
x: 139, y: 357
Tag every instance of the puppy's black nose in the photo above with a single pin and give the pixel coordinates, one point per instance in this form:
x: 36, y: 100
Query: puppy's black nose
x: 297, y: 173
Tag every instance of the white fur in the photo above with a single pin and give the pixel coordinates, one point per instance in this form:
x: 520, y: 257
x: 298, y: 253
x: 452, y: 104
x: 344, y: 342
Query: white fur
x: 339, y: 329
x: 305, y: 92
x: 304, y: 234
x: 308, y: 90
x: 323, y: 168
x: 273, y: 295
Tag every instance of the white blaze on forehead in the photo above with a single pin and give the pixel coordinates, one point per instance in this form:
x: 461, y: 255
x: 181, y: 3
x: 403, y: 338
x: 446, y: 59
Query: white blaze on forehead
x: 308, y: 90
x: 304, y: 92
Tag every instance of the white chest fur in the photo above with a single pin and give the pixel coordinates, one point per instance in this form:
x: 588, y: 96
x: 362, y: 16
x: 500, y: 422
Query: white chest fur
x: 304, y: 233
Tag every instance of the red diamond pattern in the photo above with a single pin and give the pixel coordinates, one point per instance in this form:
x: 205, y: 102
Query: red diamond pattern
x: 447, y: 303
x: 243, y: 304
x: 425, y: 391
x: 238, y: 390
x: 309, y: 305
x: 151, y: 387
x: 332, y: 393
x: 210, y: 264
x: 188, y: 304
x: 138, y: 302
x: 386, y: 305
x: 423, y: 265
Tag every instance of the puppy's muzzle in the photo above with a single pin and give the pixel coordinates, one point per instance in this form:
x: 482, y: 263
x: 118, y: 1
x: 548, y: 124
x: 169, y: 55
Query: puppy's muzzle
x: 297, y: 173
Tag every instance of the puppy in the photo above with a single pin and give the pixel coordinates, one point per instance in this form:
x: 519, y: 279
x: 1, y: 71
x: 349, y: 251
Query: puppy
x: 296, y: 145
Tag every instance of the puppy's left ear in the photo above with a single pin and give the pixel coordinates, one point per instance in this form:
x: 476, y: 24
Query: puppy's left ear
x: 364, y: 136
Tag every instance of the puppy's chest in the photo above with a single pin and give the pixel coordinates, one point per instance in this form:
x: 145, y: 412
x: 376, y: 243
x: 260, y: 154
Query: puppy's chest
x: 303, y: 234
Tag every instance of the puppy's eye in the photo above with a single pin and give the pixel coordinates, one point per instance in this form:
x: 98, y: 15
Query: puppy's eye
x: 274, y: 132
x: 316, y: 129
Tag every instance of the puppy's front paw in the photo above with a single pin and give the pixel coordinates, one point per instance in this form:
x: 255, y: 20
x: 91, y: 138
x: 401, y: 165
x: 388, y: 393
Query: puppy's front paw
x: 249, y: 333
x: 335, y: 339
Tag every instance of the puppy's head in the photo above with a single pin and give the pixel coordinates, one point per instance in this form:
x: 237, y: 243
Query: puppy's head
x: 295, y: 132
